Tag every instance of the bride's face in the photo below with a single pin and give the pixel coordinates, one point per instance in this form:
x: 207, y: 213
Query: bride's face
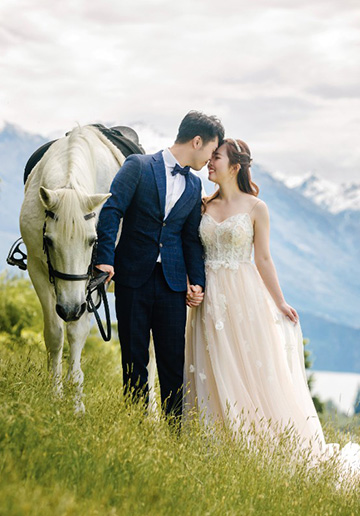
x: 219, y: 166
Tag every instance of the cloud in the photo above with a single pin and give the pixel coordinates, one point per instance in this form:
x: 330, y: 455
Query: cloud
x: 336, y: 91
x: 282, y: 73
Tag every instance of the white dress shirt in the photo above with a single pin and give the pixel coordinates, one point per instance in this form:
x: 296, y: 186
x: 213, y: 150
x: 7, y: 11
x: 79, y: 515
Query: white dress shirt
x: 175, y: 185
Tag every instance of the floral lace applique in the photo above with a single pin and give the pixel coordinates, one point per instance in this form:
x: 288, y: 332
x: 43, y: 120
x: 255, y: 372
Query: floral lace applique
x: 217, y: 311
x: 202, y: 377
x: 229, y: 243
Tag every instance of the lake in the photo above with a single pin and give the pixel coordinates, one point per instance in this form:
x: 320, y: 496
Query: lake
x: 341, y: 388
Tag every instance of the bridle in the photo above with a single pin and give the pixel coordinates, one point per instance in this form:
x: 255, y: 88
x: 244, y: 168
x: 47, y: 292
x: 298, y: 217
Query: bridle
x: 53, y: 273
x: 95, y: 282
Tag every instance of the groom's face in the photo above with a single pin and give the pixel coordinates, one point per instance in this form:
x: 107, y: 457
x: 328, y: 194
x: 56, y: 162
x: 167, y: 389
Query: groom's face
x: 203, y: 154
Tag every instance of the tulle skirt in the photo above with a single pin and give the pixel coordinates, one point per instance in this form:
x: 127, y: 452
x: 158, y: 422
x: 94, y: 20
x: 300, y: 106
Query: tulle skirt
x: 244, y: 360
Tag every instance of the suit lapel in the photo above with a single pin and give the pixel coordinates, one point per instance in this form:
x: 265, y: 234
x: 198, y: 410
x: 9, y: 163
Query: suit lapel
x: 158, y: 167
x: 184, y: 198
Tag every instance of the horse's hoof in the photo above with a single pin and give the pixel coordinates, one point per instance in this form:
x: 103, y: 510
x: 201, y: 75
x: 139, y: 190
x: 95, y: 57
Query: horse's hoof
x: 58, y: 392
x: 79, y: 408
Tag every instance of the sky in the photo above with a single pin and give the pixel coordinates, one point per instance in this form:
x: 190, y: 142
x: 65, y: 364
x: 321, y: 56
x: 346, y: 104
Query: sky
x: 283, y: 75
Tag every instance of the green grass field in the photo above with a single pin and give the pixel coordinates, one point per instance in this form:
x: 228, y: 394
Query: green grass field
x: 115, y: 460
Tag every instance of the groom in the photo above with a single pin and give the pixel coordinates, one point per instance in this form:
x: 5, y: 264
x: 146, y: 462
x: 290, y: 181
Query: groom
x: 159, y: 200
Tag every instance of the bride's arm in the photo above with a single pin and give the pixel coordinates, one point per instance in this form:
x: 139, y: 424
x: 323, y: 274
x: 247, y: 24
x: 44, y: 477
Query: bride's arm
x: 264, y: 262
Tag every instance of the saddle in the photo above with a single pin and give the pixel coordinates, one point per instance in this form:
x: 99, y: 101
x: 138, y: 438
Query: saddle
x: 123, y: 137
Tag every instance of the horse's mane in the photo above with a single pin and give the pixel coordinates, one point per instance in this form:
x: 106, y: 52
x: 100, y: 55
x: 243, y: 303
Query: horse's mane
x: 81, y: 163
x: 70, y: 210
x: 72, y: 163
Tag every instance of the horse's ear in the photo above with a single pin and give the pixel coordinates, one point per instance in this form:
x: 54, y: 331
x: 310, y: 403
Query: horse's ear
x: 93, y: 201
x: 49, y: 198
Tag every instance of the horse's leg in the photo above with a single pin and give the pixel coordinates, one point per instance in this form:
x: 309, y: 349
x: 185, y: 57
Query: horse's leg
x: 152, y: 409
x: 77, y: 333
x: 53, y: 325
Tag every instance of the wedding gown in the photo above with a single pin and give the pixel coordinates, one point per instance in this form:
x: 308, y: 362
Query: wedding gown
x: 244, y: 360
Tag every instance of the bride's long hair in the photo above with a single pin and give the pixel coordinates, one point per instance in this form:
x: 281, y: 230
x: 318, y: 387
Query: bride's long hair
x: 242, y: 158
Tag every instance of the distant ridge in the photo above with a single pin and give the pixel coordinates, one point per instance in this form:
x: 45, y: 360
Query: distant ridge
x: 334, y: 197
x: 334, y: 346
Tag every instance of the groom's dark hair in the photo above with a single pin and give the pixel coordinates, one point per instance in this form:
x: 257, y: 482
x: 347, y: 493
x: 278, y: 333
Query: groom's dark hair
x: 196, y: 123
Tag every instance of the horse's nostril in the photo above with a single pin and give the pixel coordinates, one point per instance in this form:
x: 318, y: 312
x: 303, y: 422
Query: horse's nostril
x: 61, y: 312
x: 70, y: 314
x: 81, y: 310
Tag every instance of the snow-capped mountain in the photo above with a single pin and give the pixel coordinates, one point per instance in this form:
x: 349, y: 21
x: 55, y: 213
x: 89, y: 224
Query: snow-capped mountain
x: 334, y: 197
x: 315, y: 247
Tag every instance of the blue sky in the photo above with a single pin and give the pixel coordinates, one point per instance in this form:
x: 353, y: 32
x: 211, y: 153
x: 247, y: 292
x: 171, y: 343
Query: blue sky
x: 284, y: 76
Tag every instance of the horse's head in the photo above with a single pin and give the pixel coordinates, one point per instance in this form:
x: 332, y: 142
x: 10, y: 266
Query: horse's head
x: 69, y: 240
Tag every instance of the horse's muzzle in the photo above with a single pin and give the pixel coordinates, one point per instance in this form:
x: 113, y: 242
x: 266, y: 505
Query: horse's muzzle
x: 70, y: 314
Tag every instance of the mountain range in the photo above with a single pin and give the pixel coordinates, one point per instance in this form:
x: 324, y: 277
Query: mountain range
x: 337, y: 198
x: 315, y: 242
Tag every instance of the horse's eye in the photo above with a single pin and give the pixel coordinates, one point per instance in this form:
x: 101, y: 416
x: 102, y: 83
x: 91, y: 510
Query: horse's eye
x: 48, y: 241
x: 92, y: 241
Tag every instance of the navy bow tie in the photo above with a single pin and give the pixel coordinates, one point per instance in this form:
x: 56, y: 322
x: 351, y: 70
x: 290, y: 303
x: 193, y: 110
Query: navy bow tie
x: 179, y: 170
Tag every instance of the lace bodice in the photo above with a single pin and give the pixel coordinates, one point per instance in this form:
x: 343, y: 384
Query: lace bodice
x: 228, y: 243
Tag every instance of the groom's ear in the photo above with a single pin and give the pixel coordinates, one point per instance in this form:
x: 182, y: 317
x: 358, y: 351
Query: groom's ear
x: 197, y: 142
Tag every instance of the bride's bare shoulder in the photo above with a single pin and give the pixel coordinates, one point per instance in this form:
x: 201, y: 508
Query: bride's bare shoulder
x: 259, y: 206
x: 260, y: 212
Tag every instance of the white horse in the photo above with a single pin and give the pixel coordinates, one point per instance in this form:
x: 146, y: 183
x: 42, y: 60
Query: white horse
x: 63, y: 197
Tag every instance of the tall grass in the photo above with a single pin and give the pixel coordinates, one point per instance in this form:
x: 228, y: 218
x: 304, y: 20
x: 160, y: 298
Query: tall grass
x: 116, y: 460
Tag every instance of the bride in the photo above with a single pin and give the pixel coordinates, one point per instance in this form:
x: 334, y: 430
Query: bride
x: 244, y: 360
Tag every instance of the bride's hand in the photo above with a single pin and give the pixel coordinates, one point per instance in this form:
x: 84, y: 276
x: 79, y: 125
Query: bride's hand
x: 194, y: 296
x: 289, y: 312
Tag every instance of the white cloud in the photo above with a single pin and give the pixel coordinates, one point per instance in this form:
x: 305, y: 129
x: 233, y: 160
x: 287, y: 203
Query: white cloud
x: 285, y: 76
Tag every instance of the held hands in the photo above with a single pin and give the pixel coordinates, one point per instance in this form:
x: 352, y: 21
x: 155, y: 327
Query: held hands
x: 289, y: 311
x: 106, y: 268
x: 194, y: 295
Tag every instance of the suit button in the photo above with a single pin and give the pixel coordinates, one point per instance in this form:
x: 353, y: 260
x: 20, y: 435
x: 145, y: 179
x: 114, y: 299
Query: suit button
x: 160, y: 245
x: 164, y: 224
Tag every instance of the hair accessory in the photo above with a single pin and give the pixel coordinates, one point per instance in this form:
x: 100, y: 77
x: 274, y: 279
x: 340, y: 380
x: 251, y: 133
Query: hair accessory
x: 236, y: 144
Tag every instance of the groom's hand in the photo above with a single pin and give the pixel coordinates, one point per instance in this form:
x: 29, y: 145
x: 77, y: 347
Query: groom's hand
x: 106, y: 268
x: 194, y: 296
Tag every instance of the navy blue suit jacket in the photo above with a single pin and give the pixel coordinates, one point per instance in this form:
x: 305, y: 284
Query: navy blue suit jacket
x: 138, y: 196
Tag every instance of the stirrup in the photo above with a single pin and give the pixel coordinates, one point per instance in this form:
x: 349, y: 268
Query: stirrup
x: 16, y: 256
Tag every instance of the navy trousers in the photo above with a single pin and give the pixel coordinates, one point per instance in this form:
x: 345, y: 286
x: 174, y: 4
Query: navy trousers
x: 153, y: 306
